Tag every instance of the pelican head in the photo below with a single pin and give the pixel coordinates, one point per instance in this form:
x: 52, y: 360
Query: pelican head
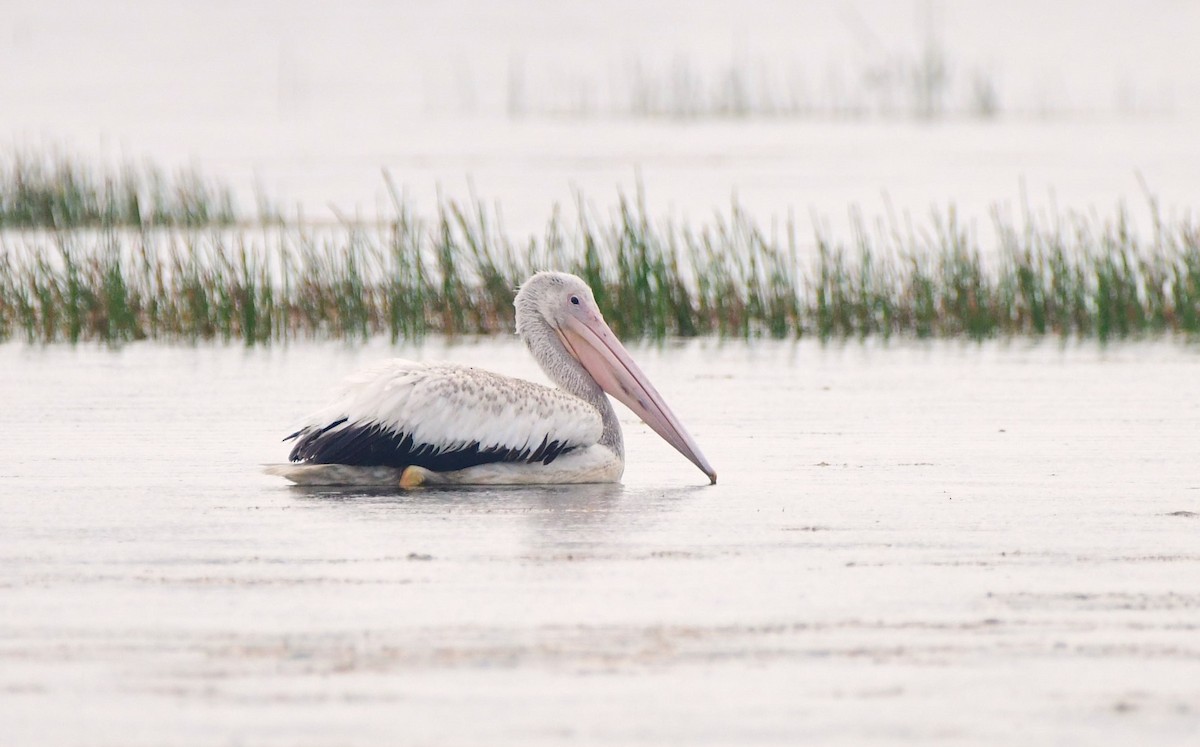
x: 564, y: 305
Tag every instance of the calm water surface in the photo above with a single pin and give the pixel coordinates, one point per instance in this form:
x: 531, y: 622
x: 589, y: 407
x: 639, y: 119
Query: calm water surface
x: 908, y: 543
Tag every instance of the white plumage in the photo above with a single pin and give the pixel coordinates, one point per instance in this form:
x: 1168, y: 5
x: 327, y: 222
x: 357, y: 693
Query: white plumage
x: 450, y: 406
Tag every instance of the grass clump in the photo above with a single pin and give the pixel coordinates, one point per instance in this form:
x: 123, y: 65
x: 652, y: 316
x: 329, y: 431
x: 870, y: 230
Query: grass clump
x: 455, y: 272
x: 58, y: 192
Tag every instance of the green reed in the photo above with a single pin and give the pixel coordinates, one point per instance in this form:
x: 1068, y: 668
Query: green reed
x: 455, y: 272
x: 55, y: 191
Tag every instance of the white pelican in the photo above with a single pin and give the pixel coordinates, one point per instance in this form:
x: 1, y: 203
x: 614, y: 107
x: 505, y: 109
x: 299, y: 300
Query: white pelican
x: 407, y: 423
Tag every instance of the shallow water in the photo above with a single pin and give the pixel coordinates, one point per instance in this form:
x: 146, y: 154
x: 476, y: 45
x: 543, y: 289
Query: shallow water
x: 978, y: 543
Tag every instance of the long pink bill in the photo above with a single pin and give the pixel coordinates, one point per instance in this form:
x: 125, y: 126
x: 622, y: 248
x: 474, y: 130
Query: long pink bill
x: 606, y: 359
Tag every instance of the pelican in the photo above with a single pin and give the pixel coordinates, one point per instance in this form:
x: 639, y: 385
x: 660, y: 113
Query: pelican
x: 408, y: 423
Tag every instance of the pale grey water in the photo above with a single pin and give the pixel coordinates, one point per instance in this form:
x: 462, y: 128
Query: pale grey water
x: 909, y: 543
x: 954, y: 543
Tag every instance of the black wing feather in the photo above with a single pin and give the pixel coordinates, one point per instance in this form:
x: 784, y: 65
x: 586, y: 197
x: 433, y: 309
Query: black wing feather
x: 374, y: 445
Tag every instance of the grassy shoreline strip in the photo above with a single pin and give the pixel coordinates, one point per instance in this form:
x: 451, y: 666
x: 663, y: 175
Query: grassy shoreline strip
x: 455, y: 273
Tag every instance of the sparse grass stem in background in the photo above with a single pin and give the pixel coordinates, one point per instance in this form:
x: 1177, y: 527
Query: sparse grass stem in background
x: 55, y: 191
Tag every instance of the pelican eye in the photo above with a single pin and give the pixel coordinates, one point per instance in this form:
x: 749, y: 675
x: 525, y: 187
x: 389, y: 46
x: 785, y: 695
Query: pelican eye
x: 575, y: 300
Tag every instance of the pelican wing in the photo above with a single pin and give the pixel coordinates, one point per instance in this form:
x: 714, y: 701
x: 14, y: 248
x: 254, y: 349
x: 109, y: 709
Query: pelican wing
x: 443, y: 417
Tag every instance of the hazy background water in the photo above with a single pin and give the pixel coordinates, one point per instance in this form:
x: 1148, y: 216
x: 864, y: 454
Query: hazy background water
x: 306, y: 102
